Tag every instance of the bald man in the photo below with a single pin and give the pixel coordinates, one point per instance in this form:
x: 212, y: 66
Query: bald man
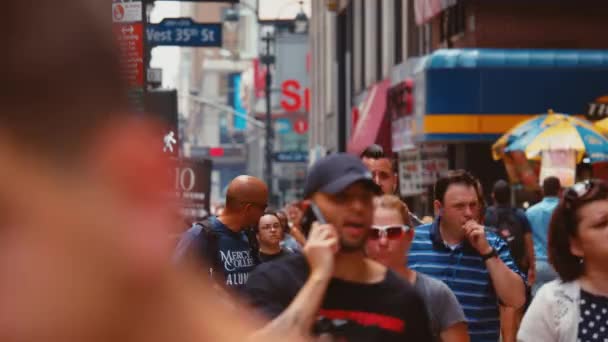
x: 221, y: 242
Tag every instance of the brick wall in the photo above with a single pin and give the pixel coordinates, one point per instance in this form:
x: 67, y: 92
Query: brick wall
x: 535, y: 24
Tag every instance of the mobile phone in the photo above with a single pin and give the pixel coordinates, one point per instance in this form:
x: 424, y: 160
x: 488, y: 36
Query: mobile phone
x: 315, y: 210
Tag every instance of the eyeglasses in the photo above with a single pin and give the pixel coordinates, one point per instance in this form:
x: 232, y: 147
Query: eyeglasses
x: 270, y: 226
x: 391, y: 232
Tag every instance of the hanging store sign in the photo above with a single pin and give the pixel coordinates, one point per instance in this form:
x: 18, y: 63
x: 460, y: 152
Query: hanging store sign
x: 560, y: 164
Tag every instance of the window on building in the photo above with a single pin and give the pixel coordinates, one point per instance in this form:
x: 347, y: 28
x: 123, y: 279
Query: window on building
x: 460, y: 18
x: 361, y: 5
x: 452, y: 22
x: 423, y: 35
x: 379, y: 46
x: 350, y: 42
x: 443, y: 30
x: 414, y: 35
x: 357, y: 20
x: 398, y: 51
x: 388, y: 37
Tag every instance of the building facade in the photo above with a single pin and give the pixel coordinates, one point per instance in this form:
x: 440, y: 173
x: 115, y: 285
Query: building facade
x: 290, y: 105
x: 437, y: 82
x: 210, y: 86
x: 223, y: 103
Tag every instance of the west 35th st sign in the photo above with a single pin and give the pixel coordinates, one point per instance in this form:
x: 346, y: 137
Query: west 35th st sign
x: 184, y: 32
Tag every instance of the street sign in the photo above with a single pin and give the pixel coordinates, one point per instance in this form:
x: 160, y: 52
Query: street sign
x: 291, y: 157
x: 300, y: 126
x: 128, y: 29
x: 127, y: 12
x: 184, y: 32
x: 192, y: 184
x: 282, y: 126
x: 131, y: 47
x: 169, y: 141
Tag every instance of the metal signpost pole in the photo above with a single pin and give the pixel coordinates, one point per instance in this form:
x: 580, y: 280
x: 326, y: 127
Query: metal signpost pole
x: 268, y: 61
x: 147, y: 49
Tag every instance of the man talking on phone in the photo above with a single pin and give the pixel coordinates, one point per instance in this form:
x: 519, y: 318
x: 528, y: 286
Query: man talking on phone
x: 332, y: 289
x: 474, y: 262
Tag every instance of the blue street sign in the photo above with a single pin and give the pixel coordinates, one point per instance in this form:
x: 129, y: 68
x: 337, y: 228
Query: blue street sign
x: 282, y: 126
x: 184, y: 32
x: 291, y: 157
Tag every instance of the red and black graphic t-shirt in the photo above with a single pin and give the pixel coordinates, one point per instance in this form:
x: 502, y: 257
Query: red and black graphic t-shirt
x: 390, y: 310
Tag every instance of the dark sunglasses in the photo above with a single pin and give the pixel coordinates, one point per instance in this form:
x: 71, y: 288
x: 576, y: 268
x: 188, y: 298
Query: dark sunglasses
x: 391, y: 232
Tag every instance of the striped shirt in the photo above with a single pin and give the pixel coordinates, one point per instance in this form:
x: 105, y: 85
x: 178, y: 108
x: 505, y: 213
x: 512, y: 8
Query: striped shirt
x: 465, y: 273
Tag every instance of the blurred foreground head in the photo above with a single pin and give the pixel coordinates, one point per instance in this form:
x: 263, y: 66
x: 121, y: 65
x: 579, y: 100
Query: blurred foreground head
x: 84, y: 248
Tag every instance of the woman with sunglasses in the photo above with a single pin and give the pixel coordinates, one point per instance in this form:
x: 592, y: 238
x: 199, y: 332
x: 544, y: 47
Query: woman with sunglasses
x: 388, y: 243
x: 575, y: 307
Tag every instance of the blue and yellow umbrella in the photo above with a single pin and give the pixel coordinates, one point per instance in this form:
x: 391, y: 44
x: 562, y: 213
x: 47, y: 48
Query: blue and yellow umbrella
x: 554, y: 132
x: 602, y: 126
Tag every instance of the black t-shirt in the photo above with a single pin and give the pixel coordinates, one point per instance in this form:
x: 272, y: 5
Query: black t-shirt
x: 269, y: 257
x: 390, y: 310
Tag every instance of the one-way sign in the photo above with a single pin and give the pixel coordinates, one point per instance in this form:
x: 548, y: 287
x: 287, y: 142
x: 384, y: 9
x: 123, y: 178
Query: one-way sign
x: 291, y: 157
x: 184, y: 32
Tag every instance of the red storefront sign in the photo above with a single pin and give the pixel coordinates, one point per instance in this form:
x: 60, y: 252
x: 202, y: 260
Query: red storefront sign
x: 300, y: 126
x: 130, y: 41
x: 293, y: 98
x: 259, y: 78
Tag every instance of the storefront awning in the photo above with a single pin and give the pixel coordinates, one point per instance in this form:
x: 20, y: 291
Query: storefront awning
x: 371, y: 115
x: 478, y: 94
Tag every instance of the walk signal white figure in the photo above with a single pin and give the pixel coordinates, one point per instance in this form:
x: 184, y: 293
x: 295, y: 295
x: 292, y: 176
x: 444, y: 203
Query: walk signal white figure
x: 169, y: 141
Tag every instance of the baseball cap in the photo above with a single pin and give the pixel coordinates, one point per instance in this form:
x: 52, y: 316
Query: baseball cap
x: 336, y: 172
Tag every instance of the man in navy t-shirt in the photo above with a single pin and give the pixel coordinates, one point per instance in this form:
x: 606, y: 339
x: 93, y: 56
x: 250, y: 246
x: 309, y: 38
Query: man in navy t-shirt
x: 222, y: 242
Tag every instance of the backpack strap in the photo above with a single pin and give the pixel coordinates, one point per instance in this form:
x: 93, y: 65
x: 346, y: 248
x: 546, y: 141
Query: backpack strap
x: 254, y: 245
x: 208, y: 247
x: 491, y: 218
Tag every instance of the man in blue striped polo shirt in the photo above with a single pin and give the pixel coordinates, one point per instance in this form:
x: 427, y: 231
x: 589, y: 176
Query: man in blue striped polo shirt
x: 473, y: 262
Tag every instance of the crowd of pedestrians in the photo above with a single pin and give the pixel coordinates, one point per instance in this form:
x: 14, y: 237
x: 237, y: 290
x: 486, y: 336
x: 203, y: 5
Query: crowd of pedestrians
x: 351, y: 262
x: 84, y: 253
x: 362, y: 268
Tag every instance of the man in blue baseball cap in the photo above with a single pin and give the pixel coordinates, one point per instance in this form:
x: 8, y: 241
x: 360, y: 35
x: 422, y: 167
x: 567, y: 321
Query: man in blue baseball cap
x: 332, y: 288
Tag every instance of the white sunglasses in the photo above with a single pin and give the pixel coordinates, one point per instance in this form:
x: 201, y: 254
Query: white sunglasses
x: 391, y: 232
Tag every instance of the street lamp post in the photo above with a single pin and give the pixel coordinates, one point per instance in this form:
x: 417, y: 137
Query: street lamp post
x: 300, y: 26
x: 300, y: 23
x: 268, y: 60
